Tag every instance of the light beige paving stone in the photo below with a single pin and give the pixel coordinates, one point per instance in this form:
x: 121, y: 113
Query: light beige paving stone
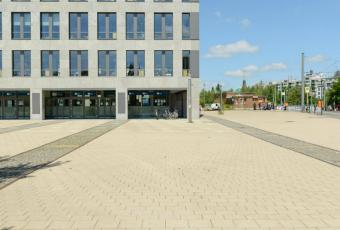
x: 302, y: 126
x: 183, y: 174
x: 19, y: 141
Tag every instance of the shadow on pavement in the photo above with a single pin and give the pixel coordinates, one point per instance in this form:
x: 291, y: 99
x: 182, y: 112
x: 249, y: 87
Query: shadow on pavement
x: 7, y: 228
x: 3, y: 158
x: 22, y: 170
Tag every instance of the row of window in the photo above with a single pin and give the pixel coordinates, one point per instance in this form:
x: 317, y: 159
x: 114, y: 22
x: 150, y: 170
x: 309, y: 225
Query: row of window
x: 106, y: 0
x: 106, y: 26
x: 107, y: 63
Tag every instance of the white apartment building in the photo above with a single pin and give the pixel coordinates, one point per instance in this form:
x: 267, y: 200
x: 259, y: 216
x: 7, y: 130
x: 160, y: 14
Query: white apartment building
x: 318, y: 84
x: 98, y: 59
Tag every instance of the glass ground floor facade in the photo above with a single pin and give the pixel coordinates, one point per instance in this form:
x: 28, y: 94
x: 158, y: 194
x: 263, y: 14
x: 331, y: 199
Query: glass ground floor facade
x: 143, y: 104
x: 14, y: 105
x: 80, y: 104
x: 91, y: 104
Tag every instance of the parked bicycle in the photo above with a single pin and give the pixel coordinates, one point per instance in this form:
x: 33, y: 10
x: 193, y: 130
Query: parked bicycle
x: 170, y: 115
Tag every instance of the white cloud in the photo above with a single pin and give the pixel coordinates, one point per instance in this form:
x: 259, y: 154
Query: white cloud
x: 316, y: 58
x: 229, y: 50
x: 274, y: 66
x: 245, y: 23
x: 244, y: 72
x: 250, y: 70
x: 218, y: 14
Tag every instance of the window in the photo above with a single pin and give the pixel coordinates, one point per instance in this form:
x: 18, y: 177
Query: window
x: 162, y: 0
x: 107, y: 26
x: 186, y: 26
x: 186, y: 63
x: 190, y: 63
x: 79, y: 63
x: 107, y: 63
x: 49, y: 26
x: 135, y: 26
x: 50, y: 63
x: 21, y: 63
x: 190, y: 26
x: 163, y: 63
x: 135, y: 63
x: 134, y: 0
x: 0, y: 63
x: 78, y: 26
x: 0, y: 25
x: 163, y: 26
x: 21, y: 26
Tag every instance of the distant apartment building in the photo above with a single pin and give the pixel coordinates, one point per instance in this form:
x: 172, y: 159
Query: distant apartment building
x: 318, y: 83
x: 81, y: 59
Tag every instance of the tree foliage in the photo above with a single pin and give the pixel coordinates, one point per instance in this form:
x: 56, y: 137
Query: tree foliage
x: 333, y: 94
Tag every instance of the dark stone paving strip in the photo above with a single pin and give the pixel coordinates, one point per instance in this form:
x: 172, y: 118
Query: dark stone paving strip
x: 28, y: 126
x: 19, y: 166
x: 327, y: 155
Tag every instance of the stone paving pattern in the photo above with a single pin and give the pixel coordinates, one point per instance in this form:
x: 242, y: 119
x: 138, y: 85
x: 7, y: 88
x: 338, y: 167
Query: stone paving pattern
x: 327, y: 155
x: 22, y: 164
x: 22, y: 140
x: 174, y: 175
x: 27, y: 126
x: 320, y: 130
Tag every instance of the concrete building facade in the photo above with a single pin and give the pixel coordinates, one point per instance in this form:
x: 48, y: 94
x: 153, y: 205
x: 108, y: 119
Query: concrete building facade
x: 92, y: 59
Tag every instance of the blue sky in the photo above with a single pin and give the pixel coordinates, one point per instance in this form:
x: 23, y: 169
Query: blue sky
x: 263, y: 39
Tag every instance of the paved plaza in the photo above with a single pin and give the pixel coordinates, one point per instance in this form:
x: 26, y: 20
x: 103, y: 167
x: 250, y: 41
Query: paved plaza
x: 149, y: 174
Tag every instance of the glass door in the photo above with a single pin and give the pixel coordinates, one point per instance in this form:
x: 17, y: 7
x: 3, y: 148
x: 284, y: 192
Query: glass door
x: 77, y: 108
x: 90, y: 107
x: 1, y: 99
x: 23, y: 105
x: 10, y: 110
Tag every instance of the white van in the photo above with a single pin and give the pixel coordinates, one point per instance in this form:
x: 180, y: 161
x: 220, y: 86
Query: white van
x: 215, y: 106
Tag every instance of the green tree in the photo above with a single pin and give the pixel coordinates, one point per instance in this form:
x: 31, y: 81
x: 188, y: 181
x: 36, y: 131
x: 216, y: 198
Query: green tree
x: 294, y: 96
x: 334, y: 93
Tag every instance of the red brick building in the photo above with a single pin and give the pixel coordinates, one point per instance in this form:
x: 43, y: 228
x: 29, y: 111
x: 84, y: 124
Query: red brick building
x: 244, y: 100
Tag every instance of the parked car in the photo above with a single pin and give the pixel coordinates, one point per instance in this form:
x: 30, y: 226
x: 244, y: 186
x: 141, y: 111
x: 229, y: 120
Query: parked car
x: 215, y: 106
x: 207, y: 107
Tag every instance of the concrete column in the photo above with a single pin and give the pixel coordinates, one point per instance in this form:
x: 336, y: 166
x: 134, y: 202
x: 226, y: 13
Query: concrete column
x: 36, y: 102
x: 121, y: 104
x: 196, y: 88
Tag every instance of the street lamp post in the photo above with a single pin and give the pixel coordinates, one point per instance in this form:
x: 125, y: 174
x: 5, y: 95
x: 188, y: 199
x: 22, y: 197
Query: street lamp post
x: 221, y: 101
x: 303, y: 82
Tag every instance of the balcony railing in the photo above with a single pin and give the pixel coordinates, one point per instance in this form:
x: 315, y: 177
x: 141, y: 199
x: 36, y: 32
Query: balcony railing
x: 20, y: 73
x: 48, y: 73
x: 135, y: 72
x: 135, y: 36
x: 186, y: 73
x: 102, y: 72
x: 163, y: 72
x: 76, y: 73
x: 107, y: 36
x: 163, y: 36
x: 49, y: 36
x: 21, y: 36
x: 79, y: 36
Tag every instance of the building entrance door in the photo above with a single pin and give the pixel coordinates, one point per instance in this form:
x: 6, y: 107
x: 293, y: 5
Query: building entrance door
x: 90, y: 107
x: 10, y: 106
x: 23, y: 105
x: 80, y: 104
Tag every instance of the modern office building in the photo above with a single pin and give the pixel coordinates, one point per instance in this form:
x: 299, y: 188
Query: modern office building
x: 98, y: 59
